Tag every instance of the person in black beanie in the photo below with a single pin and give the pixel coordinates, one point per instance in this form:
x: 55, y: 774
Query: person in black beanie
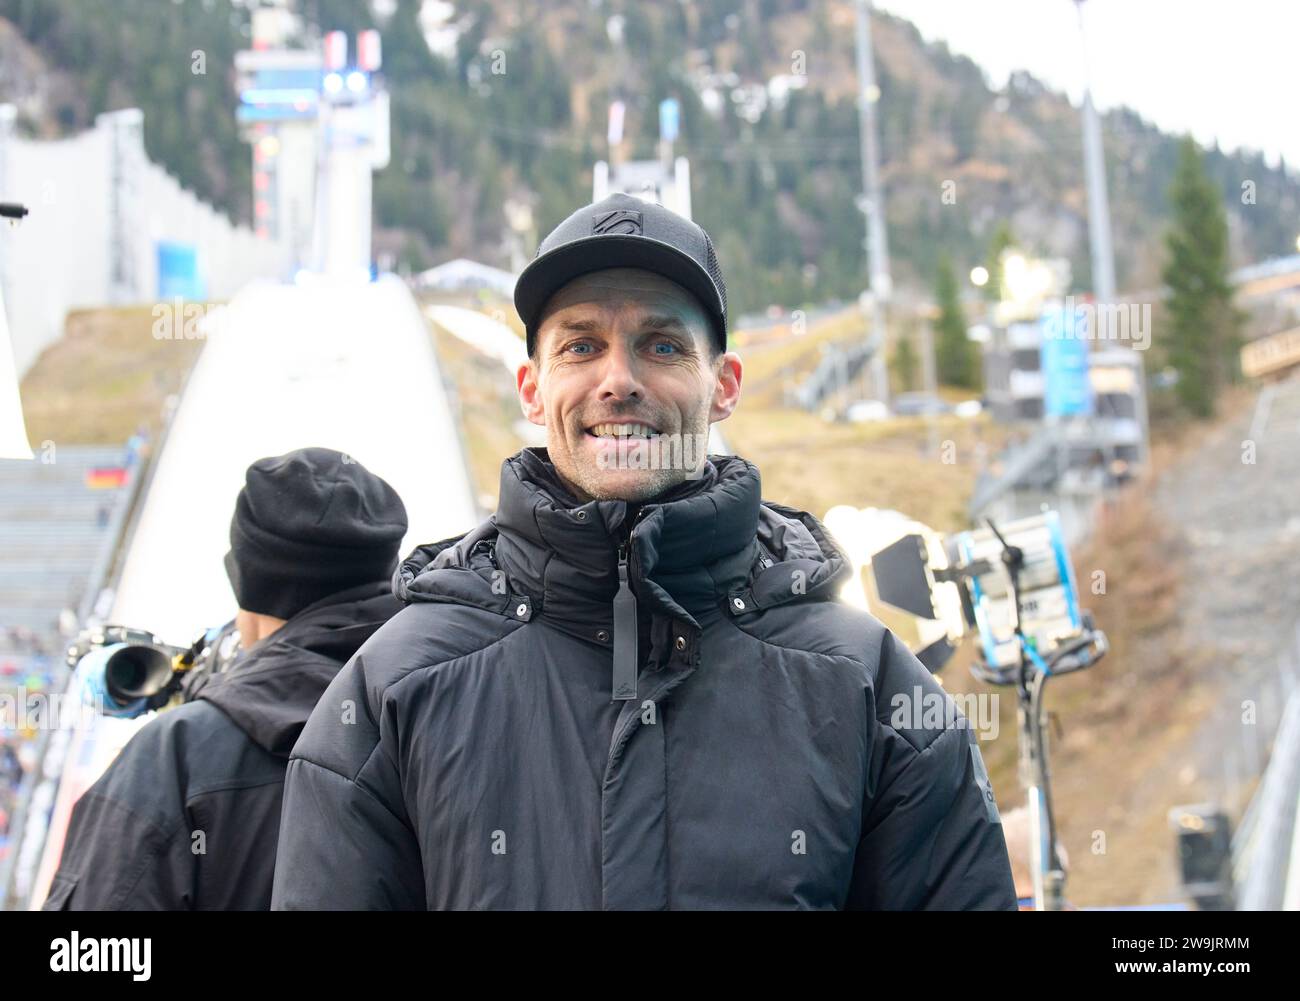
x: 307, y: 524
x: 187, y: 816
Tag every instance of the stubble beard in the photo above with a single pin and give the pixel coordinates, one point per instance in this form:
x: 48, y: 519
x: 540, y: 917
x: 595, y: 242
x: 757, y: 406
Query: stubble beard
x: 583, y: 474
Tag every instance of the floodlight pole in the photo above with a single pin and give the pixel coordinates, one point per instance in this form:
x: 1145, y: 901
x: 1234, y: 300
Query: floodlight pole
x: 873, y: 199
x: 1099, y: 237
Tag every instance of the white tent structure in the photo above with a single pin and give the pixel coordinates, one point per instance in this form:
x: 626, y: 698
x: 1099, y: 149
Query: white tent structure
x: 13, y: 430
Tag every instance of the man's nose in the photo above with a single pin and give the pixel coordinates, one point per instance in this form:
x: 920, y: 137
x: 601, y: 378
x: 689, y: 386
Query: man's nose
x: 620, y: 378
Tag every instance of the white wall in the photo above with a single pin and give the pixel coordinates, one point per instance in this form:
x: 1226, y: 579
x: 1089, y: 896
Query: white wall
x: 98, y: 208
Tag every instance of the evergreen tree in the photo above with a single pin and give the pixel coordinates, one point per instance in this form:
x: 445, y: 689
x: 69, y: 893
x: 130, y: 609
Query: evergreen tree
x: 956, y: 360
x: 1002, y: 240
x: 1203, y: 334
x: 904, y: 361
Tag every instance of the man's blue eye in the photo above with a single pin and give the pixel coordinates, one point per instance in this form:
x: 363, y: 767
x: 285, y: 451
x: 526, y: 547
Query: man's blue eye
x: 574, y: 347
x: 664, y: 344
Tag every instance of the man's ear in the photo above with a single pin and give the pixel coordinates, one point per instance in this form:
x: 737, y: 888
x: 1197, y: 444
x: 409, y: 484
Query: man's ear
x: 530, y: 398
x: 726, y: 387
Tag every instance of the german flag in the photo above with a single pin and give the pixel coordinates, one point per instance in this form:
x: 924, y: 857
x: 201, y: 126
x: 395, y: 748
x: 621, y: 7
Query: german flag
x: 105, y: 477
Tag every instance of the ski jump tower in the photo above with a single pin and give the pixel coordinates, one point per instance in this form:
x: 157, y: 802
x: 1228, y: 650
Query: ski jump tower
x: 318, y: 123
x: 665, y: 181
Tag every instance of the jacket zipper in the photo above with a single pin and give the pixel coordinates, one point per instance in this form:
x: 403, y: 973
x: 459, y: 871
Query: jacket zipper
x: 624, y: 671
x: 623, y: 682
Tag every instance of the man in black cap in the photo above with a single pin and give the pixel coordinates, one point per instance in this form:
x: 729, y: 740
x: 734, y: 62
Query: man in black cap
x: 187, y: 816
x: 633, y: 686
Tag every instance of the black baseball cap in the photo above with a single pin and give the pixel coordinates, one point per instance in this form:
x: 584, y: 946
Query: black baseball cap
x: 623, y: 231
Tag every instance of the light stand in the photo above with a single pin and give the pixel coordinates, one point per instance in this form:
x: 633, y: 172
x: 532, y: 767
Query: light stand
x: 1029, y: 676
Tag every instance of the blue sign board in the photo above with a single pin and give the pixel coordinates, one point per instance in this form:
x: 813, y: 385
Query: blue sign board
x: 1066, y: 389
x: 669, y: 119
x: 178, y: 272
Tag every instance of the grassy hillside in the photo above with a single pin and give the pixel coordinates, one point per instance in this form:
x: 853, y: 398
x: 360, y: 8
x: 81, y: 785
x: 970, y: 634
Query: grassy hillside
x: 105, y: 378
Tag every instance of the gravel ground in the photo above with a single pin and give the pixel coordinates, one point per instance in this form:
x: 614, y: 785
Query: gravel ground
x: 1240, y: 522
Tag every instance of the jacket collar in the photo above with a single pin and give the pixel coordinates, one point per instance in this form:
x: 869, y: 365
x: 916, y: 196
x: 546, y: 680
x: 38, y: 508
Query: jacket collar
x: 686, y: 548
x: 271, y: 689
x: 693, y: 552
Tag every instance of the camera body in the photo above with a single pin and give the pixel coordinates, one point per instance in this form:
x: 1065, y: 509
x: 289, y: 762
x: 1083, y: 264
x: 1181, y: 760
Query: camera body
x: 127, y: 672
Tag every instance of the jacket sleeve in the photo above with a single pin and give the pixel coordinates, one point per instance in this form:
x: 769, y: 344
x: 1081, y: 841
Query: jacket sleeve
x: 931, y: 834
x: 128, y: 843
x: 345, y: 840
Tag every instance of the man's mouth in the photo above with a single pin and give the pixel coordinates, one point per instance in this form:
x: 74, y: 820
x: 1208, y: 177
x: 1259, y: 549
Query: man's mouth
x: 616, y: 431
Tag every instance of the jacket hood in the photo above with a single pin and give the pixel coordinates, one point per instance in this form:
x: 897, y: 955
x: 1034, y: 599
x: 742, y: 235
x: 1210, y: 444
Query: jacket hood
x: 271, y: 690
x: 708, y: 544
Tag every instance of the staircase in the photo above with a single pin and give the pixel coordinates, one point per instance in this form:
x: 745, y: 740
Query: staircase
x: 52, y: 531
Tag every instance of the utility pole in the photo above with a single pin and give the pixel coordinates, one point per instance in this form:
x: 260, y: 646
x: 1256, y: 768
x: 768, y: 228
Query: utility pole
x: 873, y: 199
x: 931, y: 386
x: 1103, y: 252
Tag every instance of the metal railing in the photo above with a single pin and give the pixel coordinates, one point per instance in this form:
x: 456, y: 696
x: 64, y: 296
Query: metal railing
x: 1266, y: 845
x: 838, y: 367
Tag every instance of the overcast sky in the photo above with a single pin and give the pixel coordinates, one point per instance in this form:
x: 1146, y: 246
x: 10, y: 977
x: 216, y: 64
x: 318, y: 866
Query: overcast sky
x: 1221, y: 70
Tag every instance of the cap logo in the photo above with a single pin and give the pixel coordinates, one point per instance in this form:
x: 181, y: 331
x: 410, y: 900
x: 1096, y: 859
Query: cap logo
x: 622, y: 222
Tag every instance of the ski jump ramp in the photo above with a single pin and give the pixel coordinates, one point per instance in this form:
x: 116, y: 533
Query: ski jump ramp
x: 349, y: 367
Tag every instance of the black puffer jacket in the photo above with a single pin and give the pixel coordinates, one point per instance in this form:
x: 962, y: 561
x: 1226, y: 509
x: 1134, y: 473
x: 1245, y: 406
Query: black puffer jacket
x: 470, y: 755
x: 187, y: 816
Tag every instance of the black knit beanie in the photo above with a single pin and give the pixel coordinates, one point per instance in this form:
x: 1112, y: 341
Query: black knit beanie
x: 309, y: 524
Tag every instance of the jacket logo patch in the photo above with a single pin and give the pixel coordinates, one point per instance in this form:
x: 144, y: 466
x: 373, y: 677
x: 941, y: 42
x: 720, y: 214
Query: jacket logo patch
x: 624, y: 222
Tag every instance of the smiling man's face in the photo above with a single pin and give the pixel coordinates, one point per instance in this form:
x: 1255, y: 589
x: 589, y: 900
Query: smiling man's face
x: 621, y: 356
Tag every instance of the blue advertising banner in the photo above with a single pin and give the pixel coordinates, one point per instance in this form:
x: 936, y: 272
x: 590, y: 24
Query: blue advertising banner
x: 1066, y: 389
x: 178, y: 271
x: 669, y: 119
